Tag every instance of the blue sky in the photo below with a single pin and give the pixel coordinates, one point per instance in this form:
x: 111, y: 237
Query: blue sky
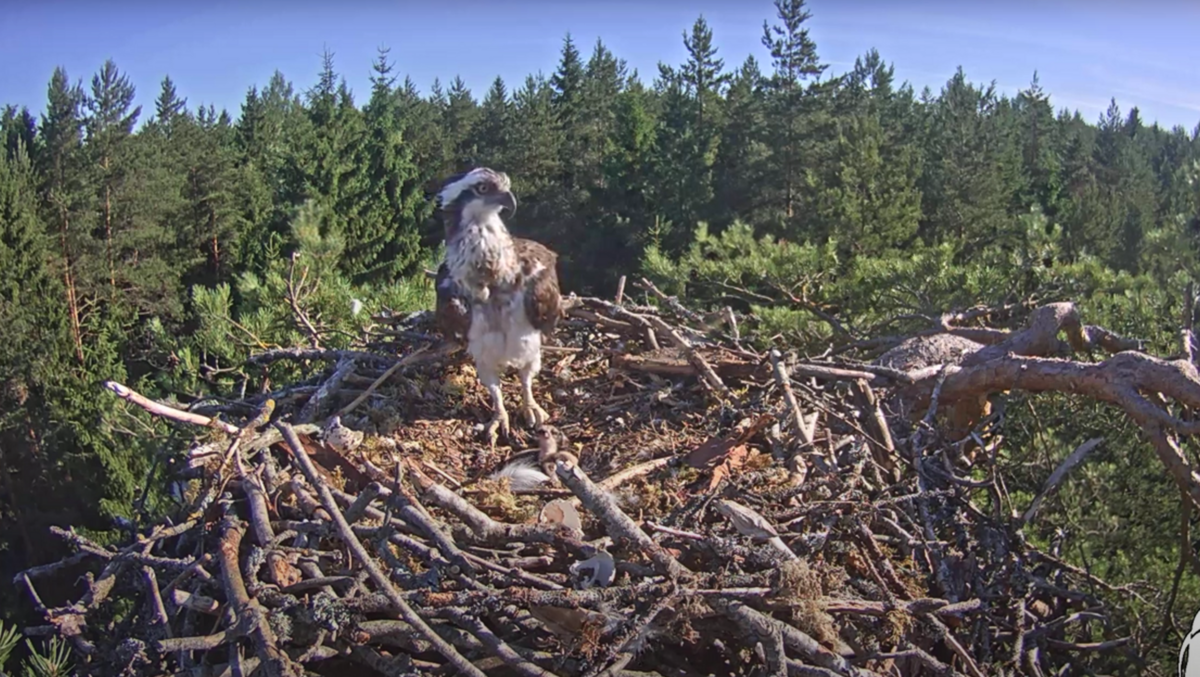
x: 1145, y: 54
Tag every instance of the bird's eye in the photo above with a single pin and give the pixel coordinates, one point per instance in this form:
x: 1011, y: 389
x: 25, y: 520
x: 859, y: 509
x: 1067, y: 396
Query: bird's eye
x: 483, y: 188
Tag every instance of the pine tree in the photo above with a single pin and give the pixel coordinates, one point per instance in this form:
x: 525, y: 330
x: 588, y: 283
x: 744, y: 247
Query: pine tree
x: 138, y: 203
x: 111, y: 118
x: 61, y: 165
x: 791, y: 105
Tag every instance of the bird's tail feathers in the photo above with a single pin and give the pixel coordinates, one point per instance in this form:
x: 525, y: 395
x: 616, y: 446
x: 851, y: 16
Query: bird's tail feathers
x: 523, y: 475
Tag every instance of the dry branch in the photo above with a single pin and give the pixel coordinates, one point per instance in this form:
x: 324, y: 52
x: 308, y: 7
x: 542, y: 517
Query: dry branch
x: 251, y: 618
x: 166, y: 411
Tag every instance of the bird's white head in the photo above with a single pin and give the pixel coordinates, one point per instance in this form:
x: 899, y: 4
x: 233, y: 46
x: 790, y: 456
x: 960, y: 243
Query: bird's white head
x: 476, y: 196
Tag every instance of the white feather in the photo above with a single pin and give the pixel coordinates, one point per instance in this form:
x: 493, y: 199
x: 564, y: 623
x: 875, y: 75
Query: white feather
x: 451, y: 191
x: 504, y: 339
x: 522, y: 474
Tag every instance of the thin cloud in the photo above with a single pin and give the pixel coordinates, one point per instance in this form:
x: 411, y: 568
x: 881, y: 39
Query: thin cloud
x: 1169, y: 94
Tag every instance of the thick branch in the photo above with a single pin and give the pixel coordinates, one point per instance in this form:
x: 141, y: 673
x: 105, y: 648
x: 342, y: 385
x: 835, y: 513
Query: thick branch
x: 251, y: 617
x: 1119, y: 380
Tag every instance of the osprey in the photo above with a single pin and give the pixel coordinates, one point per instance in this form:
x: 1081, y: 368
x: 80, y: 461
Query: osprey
x: 497, y: 292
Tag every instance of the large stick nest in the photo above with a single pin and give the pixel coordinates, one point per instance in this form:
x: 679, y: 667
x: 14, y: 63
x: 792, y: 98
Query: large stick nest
x: 719, y: 512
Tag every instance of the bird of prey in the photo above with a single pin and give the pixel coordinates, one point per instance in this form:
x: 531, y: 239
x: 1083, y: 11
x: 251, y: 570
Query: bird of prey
x: 1189, y: 652
x: 496, y: 292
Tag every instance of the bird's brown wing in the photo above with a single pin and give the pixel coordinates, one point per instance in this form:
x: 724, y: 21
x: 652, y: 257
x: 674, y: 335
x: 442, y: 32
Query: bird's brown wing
x: 452, y: 311
x: 543, y: 300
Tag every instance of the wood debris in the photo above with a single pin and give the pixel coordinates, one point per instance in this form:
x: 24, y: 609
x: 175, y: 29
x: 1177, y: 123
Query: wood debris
x: 719, y: 512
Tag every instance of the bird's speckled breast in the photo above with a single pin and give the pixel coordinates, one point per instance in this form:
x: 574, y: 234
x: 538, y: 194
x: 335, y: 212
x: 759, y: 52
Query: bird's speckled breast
x: 481, y: 258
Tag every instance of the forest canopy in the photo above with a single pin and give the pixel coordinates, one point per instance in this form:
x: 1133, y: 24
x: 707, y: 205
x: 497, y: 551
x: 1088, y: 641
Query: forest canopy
x: 160, y: 244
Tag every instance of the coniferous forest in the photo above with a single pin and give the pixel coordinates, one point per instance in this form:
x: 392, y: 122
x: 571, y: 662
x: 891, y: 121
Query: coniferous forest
x: 159, y: 244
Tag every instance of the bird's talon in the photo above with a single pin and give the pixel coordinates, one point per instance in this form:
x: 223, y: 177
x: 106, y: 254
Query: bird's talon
x: 536, y: 415
x: 495, y: 427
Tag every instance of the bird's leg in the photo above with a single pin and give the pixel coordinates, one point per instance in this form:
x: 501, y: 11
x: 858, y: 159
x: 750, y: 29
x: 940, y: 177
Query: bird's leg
x: 499, y: 422
x: 536, y: 415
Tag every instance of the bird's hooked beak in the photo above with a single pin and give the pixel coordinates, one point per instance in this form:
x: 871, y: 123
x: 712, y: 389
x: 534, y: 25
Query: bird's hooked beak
x: 503, y: 199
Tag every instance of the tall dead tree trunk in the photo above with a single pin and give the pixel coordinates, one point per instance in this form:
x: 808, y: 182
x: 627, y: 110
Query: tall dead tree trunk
x: 108, y: 231
x: 69, y: 285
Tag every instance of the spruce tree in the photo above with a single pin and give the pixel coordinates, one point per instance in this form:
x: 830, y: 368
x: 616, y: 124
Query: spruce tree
x: 324, y: 166
x: 490, y: 138
x: 963, y: 186
x: 679, y: 170
x: 383, y: 235
x: 214, y: 222
x: 459, y: 121
x: 18, y: 130
x: 603, y: 80
x: 866, y: 194
x: 741, y: 163
x: 567, y: 84
x: 624, y: 202
x: 1039, y: 150
x: 34, y: 344
x: 168, y: 106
